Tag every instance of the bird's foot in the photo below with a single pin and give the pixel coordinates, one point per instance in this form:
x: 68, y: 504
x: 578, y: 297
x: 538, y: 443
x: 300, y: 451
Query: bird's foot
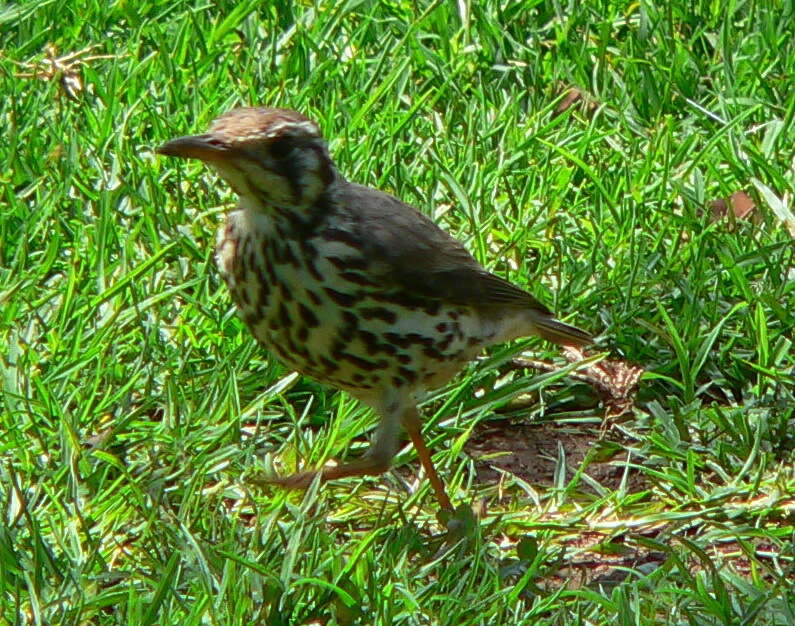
x: 300, y: 480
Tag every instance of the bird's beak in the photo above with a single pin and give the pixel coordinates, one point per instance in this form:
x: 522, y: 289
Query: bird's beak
x: 202, y: 147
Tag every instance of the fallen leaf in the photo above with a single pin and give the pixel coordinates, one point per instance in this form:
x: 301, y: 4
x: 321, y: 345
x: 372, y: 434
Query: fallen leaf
x: 740, y: 202
x: 572, y: 96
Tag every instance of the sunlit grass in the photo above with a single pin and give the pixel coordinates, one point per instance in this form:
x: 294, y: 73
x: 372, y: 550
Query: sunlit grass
x: 137, y: 413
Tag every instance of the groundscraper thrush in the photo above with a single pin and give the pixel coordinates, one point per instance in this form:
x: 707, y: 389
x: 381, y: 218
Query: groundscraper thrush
x: 348, y: 284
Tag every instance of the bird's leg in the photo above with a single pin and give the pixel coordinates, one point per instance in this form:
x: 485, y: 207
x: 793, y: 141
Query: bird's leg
x: 378, y: 457
x: 364, y: 466
x: 411, y: 422
x: 375, y: 461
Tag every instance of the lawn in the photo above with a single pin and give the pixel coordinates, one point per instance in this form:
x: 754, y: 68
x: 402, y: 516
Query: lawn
x: 631, y: 164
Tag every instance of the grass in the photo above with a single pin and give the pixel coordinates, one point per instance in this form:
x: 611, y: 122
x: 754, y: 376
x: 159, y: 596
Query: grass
x: 137, y: 412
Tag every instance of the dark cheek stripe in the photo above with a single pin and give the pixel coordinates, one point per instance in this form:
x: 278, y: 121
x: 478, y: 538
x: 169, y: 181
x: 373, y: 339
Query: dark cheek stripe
x: 324, y: 161
x: 289, y: 170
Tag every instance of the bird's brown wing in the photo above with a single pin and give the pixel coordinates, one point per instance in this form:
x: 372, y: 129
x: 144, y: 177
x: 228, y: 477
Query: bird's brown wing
x: 409, y: 250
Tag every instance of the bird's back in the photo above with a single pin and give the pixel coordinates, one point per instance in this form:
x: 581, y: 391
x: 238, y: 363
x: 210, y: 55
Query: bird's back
x: 376, y: 295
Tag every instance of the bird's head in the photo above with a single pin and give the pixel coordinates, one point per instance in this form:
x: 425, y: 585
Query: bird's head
x: 270, y: 157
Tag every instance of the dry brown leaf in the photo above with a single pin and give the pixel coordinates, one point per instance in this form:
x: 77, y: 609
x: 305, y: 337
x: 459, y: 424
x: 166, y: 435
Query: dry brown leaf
x: 615, y: 381
x: 573, y: 96
x: 740, y: 204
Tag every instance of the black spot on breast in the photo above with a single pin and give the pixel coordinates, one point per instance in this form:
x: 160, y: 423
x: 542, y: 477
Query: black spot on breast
x: 284, y: 315
x: 448, y: 339
x: 293, y: 348
x: 310, y: 266
x: 309, y: 253
x: 373, y: 346
x: 402, y: 299
x: 337, y: 348
x: 409, y: 375
x: 410, y: 339
x: 307, y: 316
x: 308, y: 249
x: 264, y: 290
x: 362, y: 364
x: 348, y: 328
x: 350, y: 319
x: 433, y: 353
x: 271, y: 273
x: 343, y: 299
x: 283, y: 254
x: 290, y: 257
x: 369, y: 340
x: 388, y: 348
x: 370, y: 313
x: 300, y: 351
x: 302, y: 334
x: 357, y: 278
x: 287, y: 294
x: 398, y: 340
x: 420, y: 339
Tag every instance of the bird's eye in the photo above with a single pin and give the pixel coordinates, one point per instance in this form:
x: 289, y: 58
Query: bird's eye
x: 280, y: 148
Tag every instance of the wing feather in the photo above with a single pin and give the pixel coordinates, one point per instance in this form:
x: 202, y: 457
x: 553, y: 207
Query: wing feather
x: 407, y: 248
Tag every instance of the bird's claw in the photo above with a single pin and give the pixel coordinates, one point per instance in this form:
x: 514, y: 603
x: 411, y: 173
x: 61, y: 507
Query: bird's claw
x: 301, y: 480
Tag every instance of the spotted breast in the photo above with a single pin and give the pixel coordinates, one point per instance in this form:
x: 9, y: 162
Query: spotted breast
x: 323, y: 308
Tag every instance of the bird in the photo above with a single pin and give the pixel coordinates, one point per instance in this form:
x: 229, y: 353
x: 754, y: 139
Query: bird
x: 349, y: 285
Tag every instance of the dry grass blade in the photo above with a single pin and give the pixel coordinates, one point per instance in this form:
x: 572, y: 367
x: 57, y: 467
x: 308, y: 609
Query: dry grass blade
x: 65, y: 68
